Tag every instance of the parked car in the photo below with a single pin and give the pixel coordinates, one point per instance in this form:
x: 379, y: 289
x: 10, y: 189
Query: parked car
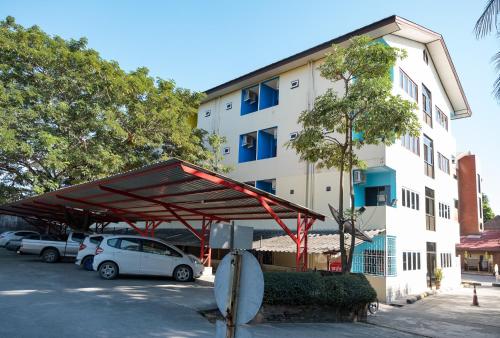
x: 15, y: 244
x: 52, y: 251
x: 86, y: 252
x: 8, y: 236
x: 135, y: 255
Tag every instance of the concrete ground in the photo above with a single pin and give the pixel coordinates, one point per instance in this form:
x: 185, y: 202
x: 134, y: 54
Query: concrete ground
x: 447, y: 314
x: 61, y: 300
x: 478, y: 278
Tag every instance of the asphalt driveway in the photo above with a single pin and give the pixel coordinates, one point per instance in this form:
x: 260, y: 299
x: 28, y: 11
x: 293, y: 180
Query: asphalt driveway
x: 61, y: 300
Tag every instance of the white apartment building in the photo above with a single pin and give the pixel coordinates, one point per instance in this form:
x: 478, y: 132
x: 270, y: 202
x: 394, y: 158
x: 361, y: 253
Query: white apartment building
x: 409, y: 189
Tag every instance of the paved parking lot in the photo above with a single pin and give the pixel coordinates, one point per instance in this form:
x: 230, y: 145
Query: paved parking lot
x: 60, y: 300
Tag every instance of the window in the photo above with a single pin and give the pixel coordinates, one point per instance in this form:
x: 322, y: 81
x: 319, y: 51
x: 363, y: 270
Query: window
x: 444, y: 210
x: 78, y: 237
x: 427, y: 105
x: 446, y: 260
x: 480, y: 207
x: 248, y: 147
x: 377, y: 257
x: 267, y: 143
x: 428, y: 156
x: 443, y: 163
x: 430, y: 212
x: 269, y: 93
x: 154, y: 247
x: 259, y: 96
x: 478, y: 183
x: 258, y: 145
x: 411, y: 143
x: 441, y: 118
x: 114, y: 242
x: 267, y: 185
x: 249, y: 100
x: 95, y: 239
x: 411, y: 261
x: 408, y: 85
x: 131, y: 244
x: 374, y: 262
x: 377, y: 196
x: 410, y: 199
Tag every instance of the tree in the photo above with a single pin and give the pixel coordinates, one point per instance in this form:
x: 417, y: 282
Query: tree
x: 488, y: 213
x: 364, y: 107
x: 67, y: 116
x: 487, y: 22
x: 214, y: 160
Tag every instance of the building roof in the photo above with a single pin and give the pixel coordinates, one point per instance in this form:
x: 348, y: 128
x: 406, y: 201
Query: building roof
x: 488, y: 240
x: 167, y: 191
x: 391, y: 25
x: 316, y: 243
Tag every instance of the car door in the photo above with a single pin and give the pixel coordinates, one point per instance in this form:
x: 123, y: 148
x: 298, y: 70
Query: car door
x: 155, y: 259
x: 128, y: 257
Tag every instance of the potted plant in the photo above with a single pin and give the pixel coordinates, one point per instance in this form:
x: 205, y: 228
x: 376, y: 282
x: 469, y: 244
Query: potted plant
x: 438, y: 275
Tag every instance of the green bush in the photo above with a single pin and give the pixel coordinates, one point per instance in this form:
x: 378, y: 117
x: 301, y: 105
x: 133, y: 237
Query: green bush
x: 313, y: 288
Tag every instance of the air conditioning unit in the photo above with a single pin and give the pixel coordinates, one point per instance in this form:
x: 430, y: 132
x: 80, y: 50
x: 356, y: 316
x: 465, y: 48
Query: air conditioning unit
x: 250, y: 96
x: 247, y: 141
x: 358, y: 176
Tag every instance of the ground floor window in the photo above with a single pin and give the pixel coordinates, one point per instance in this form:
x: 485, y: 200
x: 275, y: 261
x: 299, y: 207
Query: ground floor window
x: 446, y: 260
x: 411, y: 261
x: 377, y: 257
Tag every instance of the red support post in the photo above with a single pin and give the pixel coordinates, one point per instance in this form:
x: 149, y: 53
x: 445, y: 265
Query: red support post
x: 205, y: 250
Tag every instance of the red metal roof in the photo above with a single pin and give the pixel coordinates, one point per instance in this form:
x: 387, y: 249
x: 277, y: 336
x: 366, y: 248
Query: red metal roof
x: 165, y: 191
x: 488, y: 240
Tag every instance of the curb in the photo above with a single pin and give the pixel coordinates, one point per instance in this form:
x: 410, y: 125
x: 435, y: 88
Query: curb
x: 204, y: 282
x: 420, y: 296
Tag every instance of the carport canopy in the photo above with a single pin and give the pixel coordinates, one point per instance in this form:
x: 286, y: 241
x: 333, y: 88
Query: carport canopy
x: 168, y: 191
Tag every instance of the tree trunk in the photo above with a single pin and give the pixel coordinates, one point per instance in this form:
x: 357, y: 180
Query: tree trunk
x: 343, y: 256
x: 351, y: 191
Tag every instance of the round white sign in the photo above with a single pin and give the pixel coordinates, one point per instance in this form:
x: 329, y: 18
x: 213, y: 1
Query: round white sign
x: 251, y: 287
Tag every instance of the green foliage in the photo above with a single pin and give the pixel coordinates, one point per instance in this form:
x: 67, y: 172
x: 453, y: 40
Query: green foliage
x: 488, y: 213
x: 214, y: 157
x: 364, y: 103
x: 311, y: 288
x: 438, y: 274
x: 69, y: 116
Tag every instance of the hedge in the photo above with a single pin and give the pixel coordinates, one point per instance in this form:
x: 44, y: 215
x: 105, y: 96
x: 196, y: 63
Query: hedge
x: 313, y: 288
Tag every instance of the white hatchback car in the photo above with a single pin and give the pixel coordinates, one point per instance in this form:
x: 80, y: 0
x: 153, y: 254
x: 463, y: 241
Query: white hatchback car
x: 136, y: 255
x: 5, y: 237
x: 86, y: 251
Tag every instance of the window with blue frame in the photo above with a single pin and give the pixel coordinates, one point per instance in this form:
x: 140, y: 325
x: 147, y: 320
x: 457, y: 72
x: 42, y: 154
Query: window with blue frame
x: 269, y: 93
x: 267, y: 185
x: 267, y: 144
x: 377, y: 257
x: 248, y: 147
x: 250, y: 100
x: 260, y: 96
x: 376, y: 188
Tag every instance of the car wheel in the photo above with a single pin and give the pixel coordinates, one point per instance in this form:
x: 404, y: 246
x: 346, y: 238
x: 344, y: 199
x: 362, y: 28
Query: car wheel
x: 50, y: 255
x: 87, y: 263
x: 183, y: 273
x: 108, y: 270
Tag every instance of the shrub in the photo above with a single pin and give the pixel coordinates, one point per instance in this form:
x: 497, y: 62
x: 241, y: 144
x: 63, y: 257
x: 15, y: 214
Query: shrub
x: 311, y: 288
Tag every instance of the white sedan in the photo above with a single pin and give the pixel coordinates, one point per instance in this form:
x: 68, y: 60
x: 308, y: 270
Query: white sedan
x: 7, y: 236
x: 136, y: 255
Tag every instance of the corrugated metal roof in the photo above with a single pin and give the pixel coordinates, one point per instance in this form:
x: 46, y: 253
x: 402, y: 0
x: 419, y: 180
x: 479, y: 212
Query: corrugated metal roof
x: 316, y: 243
x: 488, y: 240
x: 162, y: 192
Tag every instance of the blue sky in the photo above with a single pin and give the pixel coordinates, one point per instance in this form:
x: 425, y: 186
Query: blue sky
x: 200, y: 44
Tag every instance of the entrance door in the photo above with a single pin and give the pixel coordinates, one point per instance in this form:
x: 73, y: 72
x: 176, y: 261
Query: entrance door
x: 431, y: 263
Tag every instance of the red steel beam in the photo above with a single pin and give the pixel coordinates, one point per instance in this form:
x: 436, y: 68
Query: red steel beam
x: 164, y: 204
